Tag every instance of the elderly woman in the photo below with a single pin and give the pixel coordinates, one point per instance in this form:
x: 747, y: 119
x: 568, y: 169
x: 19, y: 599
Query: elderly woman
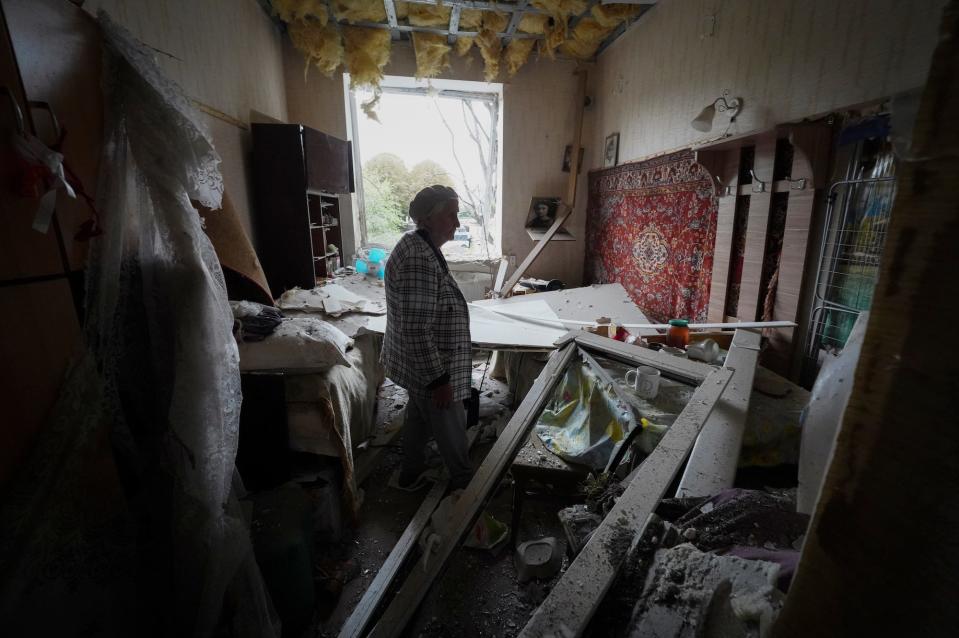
x: 427, y: 344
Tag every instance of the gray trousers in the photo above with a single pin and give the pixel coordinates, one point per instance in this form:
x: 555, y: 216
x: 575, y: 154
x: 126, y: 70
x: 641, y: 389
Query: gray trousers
x: 448, y: 427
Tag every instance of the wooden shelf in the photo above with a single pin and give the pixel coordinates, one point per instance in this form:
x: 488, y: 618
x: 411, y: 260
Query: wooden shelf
x: 561, y: 235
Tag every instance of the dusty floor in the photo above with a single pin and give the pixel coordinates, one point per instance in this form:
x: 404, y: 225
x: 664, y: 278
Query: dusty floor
x: 478, y: 595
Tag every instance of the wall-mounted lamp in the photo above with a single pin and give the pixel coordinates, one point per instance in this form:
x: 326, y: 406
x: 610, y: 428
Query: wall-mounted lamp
x: 722, y: 104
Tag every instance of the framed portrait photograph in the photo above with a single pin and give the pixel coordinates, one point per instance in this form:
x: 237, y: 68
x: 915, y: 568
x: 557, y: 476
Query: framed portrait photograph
x: 541, y: 215
x: 611, y: 152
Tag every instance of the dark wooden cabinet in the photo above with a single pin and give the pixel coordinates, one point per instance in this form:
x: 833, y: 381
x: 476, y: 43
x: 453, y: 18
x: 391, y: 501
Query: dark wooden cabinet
x: 297, y: 174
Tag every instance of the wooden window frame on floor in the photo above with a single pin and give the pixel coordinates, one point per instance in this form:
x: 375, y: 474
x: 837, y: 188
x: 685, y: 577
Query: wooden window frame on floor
x: 579, y: 591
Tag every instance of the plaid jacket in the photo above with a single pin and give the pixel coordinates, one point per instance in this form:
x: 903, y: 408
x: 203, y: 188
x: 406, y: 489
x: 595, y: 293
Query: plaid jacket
x: 427, y: 321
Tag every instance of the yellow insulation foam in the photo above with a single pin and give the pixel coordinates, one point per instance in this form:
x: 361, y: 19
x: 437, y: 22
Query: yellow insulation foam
x: 319, y: 43
x: 402, y: 9
x: 471, y: 20
x: 427, y: 15
x: 359, y: 10
x: 495, y: 21
x: 293, y: 10
x: 533, y: 23
x: 517, y: 53
x: 564, y: 8
x: 490, y: 48
x: 555, y: 36
x: 367, y: 53
x: 432, y: 54
x: 586, y: 38
x: 612, y: 15
x: 464, y: 44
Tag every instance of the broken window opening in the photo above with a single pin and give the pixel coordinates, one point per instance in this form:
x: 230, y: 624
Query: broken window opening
x: 422, y: 133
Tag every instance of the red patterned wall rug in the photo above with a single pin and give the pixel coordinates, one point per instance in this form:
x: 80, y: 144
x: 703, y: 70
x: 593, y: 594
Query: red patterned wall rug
x: 651, y: 226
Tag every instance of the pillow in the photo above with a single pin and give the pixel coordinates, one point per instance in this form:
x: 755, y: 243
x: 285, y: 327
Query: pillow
x: 297, y: 343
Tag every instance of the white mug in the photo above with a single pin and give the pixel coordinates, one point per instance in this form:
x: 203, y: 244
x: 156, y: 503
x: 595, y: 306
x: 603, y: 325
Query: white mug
x: 646, y: 381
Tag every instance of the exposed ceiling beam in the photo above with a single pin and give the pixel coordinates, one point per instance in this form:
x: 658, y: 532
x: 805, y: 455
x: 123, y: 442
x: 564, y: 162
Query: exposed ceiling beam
x: 391, y: 18
x: 488, y: 6
x: 408, y: 29
x: 515, y: 18
x: 454, y: 23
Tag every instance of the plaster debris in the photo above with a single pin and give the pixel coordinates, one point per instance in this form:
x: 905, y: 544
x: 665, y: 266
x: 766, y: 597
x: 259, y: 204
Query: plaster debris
x: 691, y: 593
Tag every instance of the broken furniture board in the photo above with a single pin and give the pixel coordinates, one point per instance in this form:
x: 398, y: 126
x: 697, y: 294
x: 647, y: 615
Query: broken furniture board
x: 489, y: 330
x: 358, y: 621
x: 715, y: 456
x: 588, y: 303
x: 575, y: 597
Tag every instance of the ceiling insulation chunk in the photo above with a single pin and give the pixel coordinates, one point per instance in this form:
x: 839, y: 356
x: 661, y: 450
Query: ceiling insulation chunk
x: 428, y: 15
x: 612, y: 15
x: 517, y: 53
x: 359, y: 11
x: 367, y: 53
x: 432, y: 54
x: 294, y: 10
x: 533, y: 23
x: 402, y: 9
x: 555, y: 36
x: 562, y: 8
x: 464, y: 44
x: 495, y: 21
x: 319, y: 43
x: 471, y: 20
x: 490, y: 48
x: 586, y: 38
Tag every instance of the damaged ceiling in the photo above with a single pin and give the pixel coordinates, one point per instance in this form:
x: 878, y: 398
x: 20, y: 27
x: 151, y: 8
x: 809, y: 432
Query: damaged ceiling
x: 357, y: 35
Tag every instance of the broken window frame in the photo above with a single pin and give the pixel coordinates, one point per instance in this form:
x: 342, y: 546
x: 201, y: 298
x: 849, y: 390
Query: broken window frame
x: 592, y: 572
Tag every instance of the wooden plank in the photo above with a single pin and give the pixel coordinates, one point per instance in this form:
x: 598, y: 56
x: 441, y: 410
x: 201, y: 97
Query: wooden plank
x: 470, y: 504
x: 362, y: 614
x: 673, y: 367
x: 570, y: 605
x: 712, y: 463
x: 500, y: 275
x: 812, y: 145
x: 724, y: 167
x: 356, y: 624
x: 756, y: 224
x: 566, y: 206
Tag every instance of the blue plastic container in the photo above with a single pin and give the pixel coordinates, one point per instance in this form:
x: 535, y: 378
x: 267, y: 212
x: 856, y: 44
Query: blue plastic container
x: 362, y: 267
x: 377, y: 255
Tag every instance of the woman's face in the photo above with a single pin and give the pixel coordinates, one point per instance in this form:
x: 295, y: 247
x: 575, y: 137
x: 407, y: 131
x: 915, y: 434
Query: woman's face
x: 542, y: 211
x: 443, y: 224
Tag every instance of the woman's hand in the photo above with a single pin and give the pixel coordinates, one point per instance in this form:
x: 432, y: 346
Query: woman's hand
x: 443, y: 396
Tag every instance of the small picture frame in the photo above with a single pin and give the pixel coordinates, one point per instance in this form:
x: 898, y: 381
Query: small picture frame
x: 542, y: 214
x: 566, y: 159
x: 611, y: 150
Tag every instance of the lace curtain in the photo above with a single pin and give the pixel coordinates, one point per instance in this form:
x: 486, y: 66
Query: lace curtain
x: 153, y: 402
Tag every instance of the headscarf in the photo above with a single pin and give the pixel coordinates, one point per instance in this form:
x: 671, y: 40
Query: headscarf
x: 430, y: 201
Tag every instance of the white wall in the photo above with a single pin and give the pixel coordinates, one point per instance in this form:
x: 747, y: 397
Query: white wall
x: 537, y: 125
x: 227, y: 54
x: 788, y: 59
